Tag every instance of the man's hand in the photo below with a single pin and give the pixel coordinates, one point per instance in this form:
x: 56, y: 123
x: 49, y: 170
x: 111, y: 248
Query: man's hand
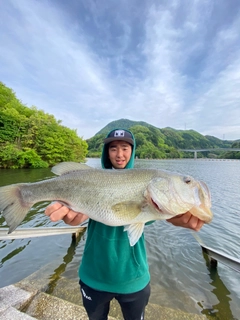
x: 187, y: 220
x: 56, y: 211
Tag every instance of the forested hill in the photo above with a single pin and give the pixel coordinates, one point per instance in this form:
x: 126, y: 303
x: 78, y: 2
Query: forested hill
x: 32, y: 138
x: 123, y: 123
x: 190, y: 138
x: 153, y: 142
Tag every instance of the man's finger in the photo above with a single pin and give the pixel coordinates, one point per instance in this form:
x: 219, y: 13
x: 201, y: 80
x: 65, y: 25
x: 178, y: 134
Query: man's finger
x: 52, y: 207
x: 59, y: 214
x: 70, y: 216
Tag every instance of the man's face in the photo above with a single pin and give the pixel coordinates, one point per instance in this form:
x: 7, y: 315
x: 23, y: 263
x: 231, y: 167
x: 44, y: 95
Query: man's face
x: 119, y: 153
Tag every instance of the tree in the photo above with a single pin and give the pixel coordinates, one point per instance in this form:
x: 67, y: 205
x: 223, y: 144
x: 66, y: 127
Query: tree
x: 32, y: 138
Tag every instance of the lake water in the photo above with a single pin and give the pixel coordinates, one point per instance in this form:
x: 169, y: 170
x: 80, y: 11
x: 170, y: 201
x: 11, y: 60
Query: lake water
x: 180, y: 274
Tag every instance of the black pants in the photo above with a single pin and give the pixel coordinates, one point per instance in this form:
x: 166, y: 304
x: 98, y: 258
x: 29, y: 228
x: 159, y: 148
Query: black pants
x: 97, y: 303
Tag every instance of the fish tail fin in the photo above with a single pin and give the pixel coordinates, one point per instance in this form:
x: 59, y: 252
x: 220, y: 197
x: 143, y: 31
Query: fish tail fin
x: 12, y: 207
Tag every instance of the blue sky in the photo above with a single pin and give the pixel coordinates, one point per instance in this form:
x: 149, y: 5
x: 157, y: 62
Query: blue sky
x: 170, y: 63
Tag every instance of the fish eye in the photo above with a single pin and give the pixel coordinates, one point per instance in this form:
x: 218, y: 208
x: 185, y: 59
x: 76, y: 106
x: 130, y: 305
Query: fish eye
x: 187, y: 180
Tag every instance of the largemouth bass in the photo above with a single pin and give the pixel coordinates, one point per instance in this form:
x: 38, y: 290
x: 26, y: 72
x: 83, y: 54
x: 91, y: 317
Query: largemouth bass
x: 128, y: 198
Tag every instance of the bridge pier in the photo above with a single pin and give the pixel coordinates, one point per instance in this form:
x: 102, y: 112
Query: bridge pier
x: 195, y: 155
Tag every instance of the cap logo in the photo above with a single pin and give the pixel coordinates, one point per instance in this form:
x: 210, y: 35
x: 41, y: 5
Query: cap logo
x: 119, y: 133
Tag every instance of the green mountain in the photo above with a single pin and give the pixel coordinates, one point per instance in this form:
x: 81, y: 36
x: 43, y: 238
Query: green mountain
x: 153, y: 142
x: 123, y: 124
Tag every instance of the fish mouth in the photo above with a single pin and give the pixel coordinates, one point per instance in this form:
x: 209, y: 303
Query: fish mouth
x: 202, y: 212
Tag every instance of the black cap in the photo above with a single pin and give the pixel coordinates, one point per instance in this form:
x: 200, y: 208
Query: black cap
x: 119, y: 134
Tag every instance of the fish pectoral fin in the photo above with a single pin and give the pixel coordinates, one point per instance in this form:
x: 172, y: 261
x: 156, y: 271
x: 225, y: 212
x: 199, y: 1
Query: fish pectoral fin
x: 127, y: 209
x: 65, y: 167
x: 134, y: 232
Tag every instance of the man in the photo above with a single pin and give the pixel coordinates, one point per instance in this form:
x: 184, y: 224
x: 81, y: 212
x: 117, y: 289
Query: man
x: 110, y: 267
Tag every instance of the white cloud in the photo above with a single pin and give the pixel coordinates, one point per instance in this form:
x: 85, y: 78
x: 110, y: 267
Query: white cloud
x: 169, y: 65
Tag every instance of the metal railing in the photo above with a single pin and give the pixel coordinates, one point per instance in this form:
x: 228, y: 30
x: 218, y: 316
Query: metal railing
x: 22, y: 233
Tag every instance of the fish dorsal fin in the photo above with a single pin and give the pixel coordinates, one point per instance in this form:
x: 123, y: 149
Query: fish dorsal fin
x: 134, y: 232
x: 65, y: 167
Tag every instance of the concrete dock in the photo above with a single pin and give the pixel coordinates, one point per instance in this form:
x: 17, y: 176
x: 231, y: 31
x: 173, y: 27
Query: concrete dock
x: 36, y: 298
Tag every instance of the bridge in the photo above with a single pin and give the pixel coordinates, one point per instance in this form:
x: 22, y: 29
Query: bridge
x: 209, y: 149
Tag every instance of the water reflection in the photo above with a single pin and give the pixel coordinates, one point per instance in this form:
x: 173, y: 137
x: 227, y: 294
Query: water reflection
x: 11, y: 176
x: 221, y: 310
x: 68, y: 257
x: 13, y: 253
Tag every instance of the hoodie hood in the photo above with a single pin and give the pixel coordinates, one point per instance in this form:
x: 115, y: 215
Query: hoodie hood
x: 118, y: 134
